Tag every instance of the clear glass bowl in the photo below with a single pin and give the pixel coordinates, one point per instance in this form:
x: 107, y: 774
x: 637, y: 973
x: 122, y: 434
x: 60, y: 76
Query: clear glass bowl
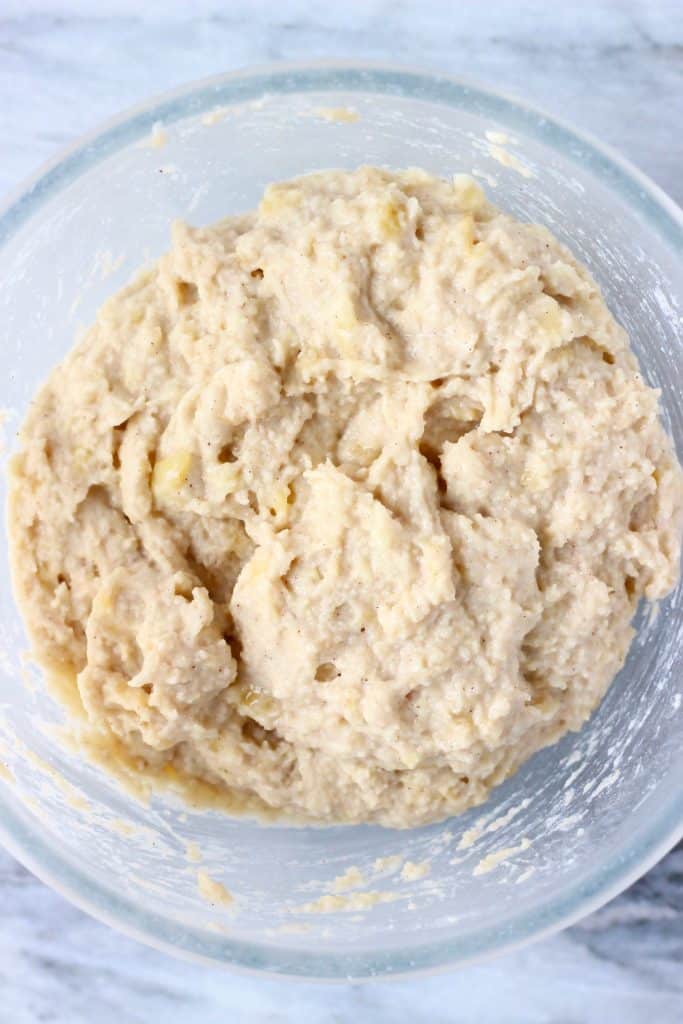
x: 581, y: 820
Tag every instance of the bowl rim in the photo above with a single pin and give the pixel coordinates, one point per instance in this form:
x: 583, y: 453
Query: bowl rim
x: 638, y: 191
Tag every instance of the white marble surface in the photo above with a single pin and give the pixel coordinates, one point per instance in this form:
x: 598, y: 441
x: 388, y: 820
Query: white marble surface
x: 615, y: 69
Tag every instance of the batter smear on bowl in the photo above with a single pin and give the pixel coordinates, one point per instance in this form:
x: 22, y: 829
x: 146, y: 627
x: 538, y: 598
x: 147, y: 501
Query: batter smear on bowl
x: 345, y: 507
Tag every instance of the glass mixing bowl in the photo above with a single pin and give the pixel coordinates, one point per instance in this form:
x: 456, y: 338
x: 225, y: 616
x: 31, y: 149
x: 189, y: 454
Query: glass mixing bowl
x: 582, y: 819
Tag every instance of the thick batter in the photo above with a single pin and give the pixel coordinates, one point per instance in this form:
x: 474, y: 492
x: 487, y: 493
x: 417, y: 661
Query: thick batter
x: 346, y: 506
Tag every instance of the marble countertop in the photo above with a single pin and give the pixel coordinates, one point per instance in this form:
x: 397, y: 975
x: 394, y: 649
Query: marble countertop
x: 615, y: 69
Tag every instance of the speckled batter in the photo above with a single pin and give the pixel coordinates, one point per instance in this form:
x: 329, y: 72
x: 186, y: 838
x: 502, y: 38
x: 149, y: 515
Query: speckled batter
x: 345, y: 507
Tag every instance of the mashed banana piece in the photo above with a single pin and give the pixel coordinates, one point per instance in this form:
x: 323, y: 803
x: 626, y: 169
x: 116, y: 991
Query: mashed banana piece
x: 346, y: 506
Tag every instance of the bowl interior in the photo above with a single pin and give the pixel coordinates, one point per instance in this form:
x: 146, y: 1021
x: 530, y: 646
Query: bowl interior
x: 580, y: 819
